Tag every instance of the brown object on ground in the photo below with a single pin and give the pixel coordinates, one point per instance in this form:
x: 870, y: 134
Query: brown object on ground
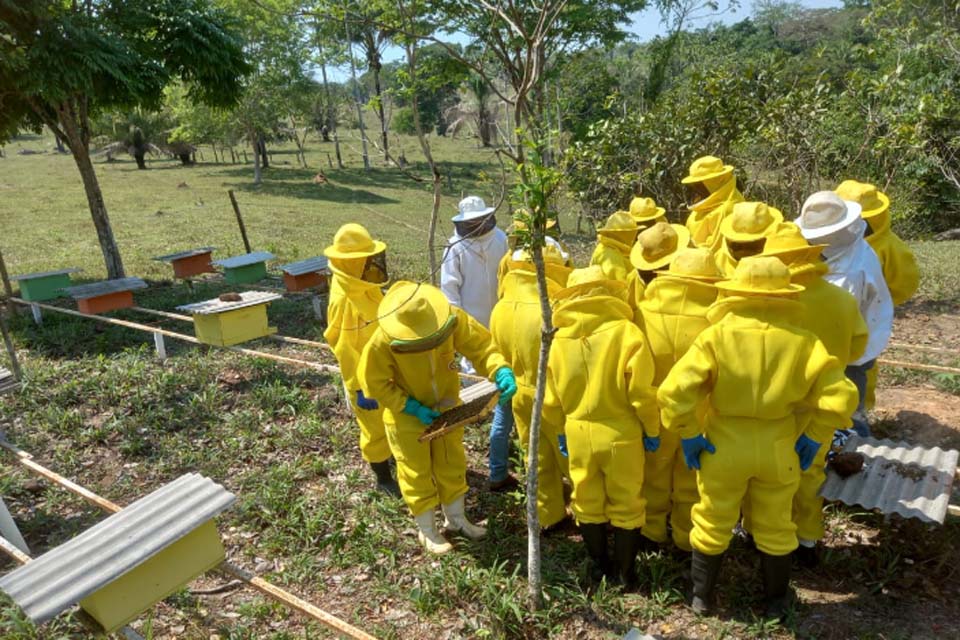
x: 467, y: 413
x: 847, y: 463
x: 230, y: 296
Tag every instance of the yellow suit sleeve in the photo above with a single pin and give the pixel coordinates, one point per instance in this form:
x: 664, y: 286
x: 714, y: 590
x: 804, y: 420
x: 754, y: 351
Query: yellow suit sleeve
x: 686, y: 387
x: 832, y: 398
x: 639, y: 371
x: 344, y: 338
x: 858, y: 341
x: 472, y: 339
x: 377, y: 373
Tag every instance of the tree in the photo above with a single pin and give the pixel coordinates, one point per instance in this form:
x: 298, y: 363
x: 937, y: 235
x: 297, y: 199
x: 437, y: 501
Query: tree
x: 61, y: 63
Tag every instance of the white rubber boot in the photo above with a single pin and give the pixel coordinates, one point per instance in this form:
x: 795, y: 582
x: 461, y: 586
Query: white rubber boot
x: 428, y: 535
x: 455, y: 519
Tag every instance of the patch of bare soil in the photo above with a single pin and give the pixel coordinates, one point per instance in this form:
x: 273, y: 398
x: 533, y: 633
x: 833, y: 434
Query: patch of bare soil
x: 919, y: 415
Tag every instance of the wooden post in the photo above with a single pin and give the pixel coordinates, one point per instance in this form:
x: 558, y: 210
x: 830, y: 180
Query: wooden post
x: 160, y: 345
x: 320, y: 309
x: 7, y: 287
x: 8, y: 343
x: 243, y: 229
x: 37, y: 314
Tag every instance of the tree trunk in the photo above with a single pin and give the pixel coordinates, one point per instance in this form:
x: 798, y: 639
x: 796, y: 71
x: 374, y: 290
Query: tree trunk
x: 60, y: 148
x: 138, y: 155
x: 257, y: 176
x: 329, y: 114
x: 77, y: 142
x: 262, y: 146
x: 375, y: 68
x: 483, y: 120
x: 185, y: 159
x: 356, y: 99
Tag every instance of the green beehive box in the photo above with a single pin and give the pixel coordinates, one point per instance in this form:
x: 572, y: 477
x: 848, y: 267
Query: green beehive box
x: 246, y: 274
x: 39, y: 287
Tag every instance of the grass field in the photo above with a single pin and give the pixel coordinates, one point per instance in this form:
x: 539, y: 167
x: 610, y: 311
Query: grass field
x: 99, y: 408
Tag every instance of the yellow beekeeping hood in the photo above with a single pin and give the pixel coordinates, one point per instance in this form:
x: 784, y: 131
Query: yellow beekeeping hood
x: 706, y: 168
x: 413, y: 311
x: 750, y: 221
x: 788, y: 244
x: 645, y: 210
x: 591, y: 280
x: 658, y: 245
x: 760, y: 276
x: 353, y: 241
x: 872, y: 201
x: 698, y: 264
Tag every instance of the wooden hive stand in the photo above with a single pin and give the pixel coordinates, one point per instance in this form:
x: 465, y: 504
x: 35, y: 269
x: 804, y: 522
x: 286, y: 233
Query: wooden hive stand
x: 122, y: 566
x: 245, y: 269
x: 43, y: 286
x: 306, y: 274
x: 226, y: 323
x: 190, y: 263
x: 107, y: 295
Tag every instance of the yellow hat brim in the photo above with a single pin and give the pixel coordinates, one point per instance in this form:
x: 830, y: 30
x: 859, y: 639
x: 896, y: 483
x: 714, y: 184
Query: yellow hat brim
x: 866, y: 214
x: 639, y: 262
x: 731, y: 286
x: 615, y: 287
x: 728, y: 232
x: 401, y: 294
x: 666, y: 273
x: 810, y: 251
x: 727, y: 169
x: 333, y: 252
x: 659, y: 213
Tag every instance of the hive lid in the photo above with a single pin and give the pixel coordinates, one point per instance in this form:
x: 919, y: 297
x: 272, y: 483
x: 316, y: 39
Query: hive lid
x: 45, y: 274
x: 897, y: 477
x: 244, y: 260
x: 79, y: 567
x: 104, y: 287
x: 310, y: 265
x: 216, y: 305
x: 185, y: 254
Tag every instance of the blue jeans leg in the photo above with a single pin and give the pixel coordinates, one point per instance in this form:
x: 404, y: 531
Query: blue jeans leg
x: 500, y: 431
x: 857, y: 373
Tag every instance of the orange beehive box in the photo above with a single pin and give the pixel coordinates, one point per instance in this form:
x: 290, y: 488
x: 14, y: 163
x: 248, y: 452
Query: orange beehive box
x: 306, y: 274
x: 108, y: 295
x: 190, y: 263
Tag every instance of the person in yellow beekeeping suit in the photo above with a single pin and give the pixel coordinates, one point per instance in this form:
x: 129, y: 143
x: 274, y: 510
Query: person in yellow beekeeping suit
x: 755, y: 369
x: 744, y: 233
x: 358, y: 265
x: 646, y: 213
x: 674, y: 313
x: 832, y: 314
x: 899, y: 265
x: 599, y: 389
x: 410, y: 368
x: 655, y: 248
x: 614, y: 242
x: 516, y: 325
x: 711, y: 194
x: 519, y: 226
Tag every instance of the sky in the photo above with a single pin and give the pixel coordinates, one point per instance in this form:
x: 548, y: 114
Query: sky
x: 646, y: 26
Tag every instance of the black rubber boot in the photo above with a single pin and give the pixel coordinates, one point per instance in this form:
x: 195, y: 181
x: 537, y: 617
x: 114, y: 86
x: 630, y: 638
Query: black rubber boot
x: 807, y: 557
x: 776, y: 585
x: 595, y: 540
x: 385, y: 481
x: 704, y: 570
x: 626, y: 542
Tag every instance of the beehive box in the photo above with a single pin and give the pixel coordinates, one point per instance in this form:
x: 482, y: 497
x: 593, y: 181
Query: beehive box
x: 190, y: 263
x: 245, y: 269
x: 123, y: 565
x: 45, y: 285
x: 226, y: 323
x: 108, y: 295
x: 306, y: 274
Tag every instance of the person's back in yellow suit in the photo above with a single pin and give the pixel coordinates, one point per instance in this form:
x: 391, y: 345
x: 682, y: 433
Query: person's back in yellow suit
x: 614, y: 242
x: 712, y: 192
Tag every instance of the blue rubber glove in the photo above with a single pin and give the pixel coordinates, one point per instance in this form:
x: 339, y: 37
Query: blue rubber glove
x: 365, y: 403
x: 506, y: 383
x: 651, y: 443
x: 807, y: 449
x: 425, y: 415
x: 562, y: 443
x: 692, y: 447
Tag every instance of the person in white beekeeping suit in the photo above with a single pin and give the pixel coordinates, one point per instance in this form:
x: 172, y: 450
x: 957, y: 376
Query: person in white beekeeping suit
x: 854, y: 266
x: 468, y: 277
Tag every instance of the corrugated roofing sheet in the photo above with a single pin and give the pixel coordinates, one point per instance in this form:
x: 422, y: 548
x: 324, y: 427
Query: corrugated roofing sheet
x: 216, y: 305
x: 310, y: 265
x: 245, y: 259
x: 185, y: 254
x: 65, y: 575
x: 7, y: 381
x: 105, y: 287
x: 44, y: 274
x: 897, y: 477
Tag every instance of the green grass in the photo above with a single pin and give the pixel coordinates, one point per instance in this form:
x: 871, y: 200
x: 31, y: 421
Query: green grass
x: 99, y: 408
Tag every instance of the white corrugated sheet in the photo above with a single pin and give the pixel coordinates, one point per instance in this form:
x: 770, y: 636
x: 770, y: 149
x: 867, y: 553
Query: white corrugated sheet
x: 310, y: 265
x: 105, y: 287
x: 897, y: 477
x: 245, y: 259
x: 69, y: 573
x: 185, y: 254
x: 216, y: 305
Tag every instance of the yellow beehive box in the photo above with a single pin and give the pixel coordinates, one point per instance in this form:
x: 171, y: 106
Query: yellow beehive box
x: 237, y: 319
x: 124, y: 599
